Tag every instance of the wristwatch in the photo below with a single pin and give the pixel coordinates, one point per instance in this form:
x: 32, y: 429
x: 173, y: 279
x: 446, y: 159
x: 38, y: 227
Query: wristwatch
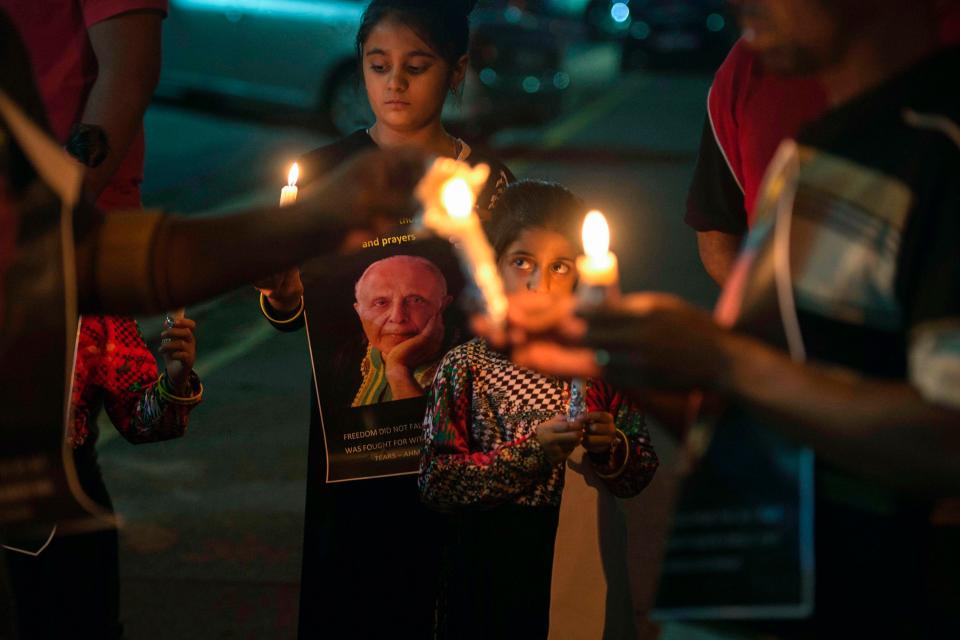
x: 88, y: 143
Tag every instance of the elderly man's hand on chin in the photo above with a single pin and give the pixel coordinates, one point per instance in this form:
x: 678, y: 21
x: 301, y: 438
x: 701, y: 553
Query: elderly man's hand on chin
x: 404, y: 358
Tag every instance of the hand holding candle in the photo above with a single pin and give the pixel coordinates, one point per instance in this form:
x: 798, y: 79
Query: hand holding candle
x: 284, y: 291
x: 598, y: 285
x: 448, y: 193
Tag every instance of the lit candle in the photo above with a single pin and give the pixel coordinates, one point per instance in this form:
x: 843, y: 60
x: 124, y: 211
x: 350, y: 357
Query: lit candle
x: 288, y: 195
x: 448, y: 193
x: 597, y: 268
x: 598, y: 284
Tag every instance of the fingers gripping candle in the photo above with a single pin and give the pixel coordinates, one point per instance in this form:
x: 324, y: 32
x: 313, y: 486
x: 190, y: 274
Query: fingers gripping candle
x: 598, y: 284
x: 448, y: 193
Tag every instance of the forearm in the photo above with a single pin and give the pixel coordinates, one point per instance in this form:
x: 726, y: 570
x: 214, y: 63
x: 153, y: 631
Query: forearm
x: 127, y: 48
x: 205, y: 256
x: 143, y: 263
x: 877, y: 428
x: 156, y: 418
x: 463, y: 479
x: 117, y: 106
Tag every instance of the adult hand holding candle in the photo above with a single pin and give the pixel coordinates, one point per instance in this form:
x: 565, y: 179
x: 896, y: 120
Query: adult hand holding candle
x: 598, y: 285
x: 448, y: 193
x: 283, y: 291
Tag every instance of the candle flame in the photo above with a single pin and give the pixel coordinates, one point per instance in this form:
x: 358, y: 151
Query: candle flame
x: 294, y: 175
x: 457, y: 198
x: 596, y: 236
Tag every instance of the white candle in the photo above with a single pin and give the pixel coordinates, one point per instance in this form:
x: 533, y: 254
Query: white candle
x: 598, y: 284
x: 597, y: 268
x: 288, y: 195
x: 448, y: 193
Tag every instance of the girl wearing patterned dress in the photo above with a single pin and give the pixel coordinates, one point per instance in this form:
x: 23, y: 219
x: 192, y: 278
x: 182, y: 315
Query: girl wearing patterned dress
x: 496, y: 440
x: 70, y: 588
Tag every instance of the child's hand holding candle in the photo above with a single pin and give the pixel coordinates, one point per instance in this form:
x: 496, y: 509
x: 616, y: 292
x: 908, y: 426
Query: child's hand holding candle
x: 598, y: 285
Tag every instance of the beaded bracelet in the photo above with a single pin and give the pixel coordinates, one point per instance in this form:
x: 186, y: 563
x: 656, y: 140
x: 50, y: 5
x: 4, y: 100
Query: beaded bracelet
x: 263, y: 308
x: 626, y: 456
x: 164, y: 391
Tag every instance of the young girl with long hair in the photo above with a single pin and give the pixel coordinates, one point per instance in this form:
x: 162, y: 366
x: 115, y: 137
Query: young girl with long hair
x: 497, y: 440
x: 370, y: 566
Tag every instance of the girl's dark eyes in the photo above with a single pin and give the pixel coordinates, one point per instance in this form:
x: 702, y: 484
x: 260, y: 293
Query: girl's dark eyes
x: 560, y: 268
x: 414, y: 71
x: 521, y: 263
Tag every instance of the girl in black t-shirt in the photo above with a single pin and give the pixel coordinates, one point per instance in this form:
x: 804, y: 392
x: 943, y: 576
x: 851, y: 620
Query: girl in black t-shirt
x: 371, y: 550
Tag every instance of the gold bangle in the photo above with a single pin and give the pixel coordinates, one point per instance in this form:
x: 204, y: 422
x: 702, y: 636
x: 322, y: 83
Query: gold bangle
x: 266, y: 314
x: 163, y: 388
x: 626, y: 457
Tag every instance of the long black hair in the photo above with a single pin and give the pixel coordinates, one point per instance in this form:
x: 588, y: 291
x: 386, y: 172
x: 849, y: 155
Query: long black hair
x: 534, y: 204
x: 443, y: 24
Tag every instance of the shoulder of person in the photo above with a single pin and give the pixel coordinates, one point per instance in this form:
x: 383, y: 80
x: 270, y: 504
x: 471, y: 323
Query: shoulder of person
x: 96, y: 11
x: 601, y: 395
x: 741, y: 80
x: 314, y: 164
x: 497, y: 168
x: 93, y: 332
x: 732, y: 76
x: 467, y: 356
x: 916, y: 116
x: 500, y: 177
x: 924, y: 94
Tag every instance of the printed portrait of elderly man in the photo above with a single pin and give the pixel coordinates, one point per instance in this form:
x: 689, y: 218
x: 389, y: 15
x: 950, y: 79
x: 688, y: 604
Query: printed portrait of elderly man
x: 400, y: 301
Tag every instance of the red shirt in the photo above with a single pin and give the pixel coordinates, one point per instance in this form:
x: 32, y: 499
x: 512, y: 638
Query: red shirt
x: 751, y: 112
x: 65, y: 67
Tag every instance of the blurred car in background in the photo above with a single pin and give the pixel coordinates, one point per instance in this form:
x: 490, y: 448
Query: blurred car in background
x: 665, y: 33
x: 299, y: 54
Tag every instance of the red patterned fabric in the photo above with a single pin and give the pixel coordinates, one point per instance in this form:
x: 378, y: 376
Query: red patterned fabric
x: 116, y: 371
